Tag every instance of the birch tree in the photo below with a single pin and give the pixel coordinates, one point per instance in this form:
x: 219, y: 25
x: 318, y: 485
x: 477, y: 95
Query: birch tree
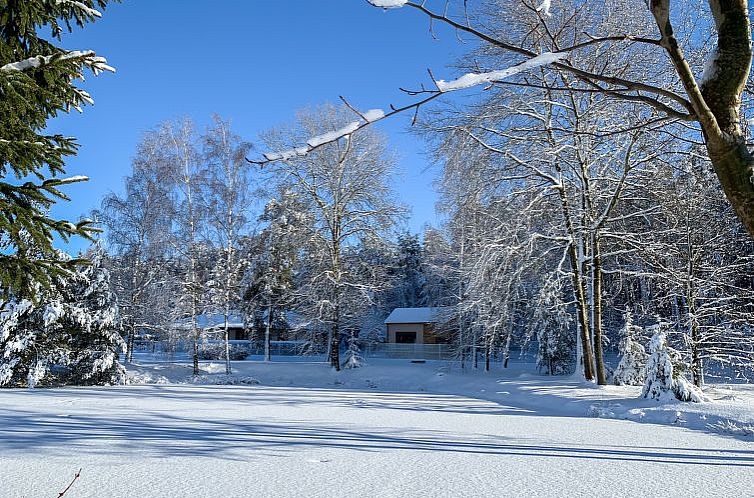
x: 137, y: 225
x: 188, y: 178
x: 229, y: 199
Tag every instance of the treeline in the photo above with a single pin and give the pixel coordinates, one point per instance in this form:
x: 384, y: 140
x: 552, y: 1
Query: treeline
x: 200, y: 231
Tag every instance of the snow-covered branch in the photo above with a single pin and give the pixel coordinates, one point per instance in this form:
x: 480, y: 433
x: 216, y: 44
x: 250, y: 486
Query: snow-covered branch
x: 87, y: 57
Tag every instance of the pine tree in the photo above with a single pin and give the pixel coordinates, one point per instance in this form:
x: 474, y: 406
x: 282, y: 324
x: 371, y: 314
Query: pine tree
x: 36, y: 83
x: 71, y: 335
x: 553, y: 330
x: 630, y: 370
x: 665, y: 379
x: 270, y: 278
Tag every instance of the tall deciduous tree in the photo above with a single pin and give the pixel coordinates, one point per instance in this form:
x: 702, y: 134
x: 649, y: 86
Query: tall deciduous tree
x: 228, y: 200
x: 345, y: 185
x: 137, y: 225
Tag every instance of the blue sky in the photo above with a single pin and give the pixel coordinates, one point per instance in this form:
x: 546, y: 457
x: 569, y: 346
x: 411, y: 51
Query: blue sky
x: 255, y: 62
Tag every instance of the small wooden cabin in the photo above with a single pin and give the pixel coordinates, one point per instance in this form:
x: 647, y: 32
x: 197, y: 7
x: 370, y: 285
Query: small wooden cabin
x: 413, y: 326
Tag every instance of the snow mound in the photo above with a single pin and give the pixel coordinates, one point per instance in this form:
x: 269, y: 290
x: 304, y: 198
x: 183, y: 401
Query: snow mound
x: 145, y: 377
x: 224, y: 380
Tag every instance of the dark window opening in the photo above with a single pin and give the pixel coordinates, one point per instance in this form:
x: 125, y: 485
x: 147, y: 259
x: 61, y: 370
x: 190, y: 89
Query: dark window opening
x: 405, y: 337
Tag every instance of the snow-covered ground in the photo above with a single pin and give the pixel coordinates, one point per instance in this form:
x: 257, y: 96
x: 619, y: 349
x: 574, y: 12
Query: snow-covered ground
x: 392, y: 428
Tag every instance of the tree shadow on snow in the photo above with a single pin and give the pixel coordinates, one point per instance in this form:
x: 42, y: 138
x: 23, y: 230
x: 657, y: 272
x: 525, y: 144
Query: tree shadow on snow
x: 164, y: 434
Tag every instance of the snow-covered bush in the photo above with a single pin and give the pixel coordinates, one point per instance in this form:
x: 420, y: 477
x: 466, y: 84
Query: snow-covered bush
x: 70, y: 335
x: 664, y: 372
x: 353, y: 354
x: 552, y: 325
x: 633, y: 361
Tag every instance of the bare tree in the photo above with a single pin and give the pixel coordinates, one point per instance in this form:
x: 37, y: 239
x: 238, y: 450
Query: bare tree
x: 345, y: 185
x: 712, y: 101
x: 188, y: 178
x: 228, y: 202
x: 137, y: 225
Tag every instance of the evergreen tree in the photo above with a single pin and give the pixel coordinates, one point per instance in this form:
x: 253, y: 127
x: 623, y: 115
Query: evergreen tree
x: 70, y: 336
x: 36, y: 83
x: 630, y: 370
x: 554, y: 333
x: 410, y: 281
x: 269, y: 280
x: 665, y: 379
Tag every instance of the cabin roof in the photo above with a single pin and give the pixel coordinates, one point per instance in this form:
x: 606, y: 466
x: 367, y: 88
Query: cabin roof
x: 413, y: 315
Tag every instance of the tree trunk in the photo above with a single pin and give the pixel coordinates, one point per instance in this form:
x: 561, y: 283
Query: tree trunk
x: 597, y: 310
x: 578, y: 291
x: 227, y: 344
x: 196, y: 351
x: 487, y: 357
x: 717, y: 103
x: 130, y: 342
x: 335, y: 347
x: 267, y: 333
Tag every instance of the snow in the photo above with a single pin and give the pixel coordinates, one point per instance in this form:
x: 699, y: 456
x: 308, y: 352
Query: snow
x: 388, y: 4
x: 391, y: 428
x: 545, y: 7
x: 75, y: 179
x: 413, y: 315
x: 710, y: 67
x: 286, y: 154
x: 97, y: 64
x: 80, y: 5
x: 473, y: 79
x: 331, y: 136
x: 373, y: 115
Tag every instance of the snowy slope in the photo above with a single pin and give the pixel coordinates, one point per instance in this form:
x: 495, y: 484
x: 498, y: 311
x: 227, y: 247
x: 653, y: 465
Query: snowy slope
x: 385, y: 430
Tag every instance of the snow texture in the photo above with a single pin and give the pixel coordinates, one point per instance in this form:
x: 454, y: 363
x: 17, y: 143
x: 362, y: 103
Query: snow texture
x: 396, y: 428
x: 373, y: 115
x: 545, y: 7
x: 88, y: 57
x: 413, y: 315
x: 332, y: 136
x: 388, y: 4
x: 473, y: 79
x: 81, y: 6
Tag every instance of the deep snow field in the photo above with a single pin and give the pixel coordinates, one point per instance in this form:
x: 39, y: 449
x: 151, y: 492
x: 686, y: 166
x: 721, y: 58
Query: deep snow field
x: 392, y: 428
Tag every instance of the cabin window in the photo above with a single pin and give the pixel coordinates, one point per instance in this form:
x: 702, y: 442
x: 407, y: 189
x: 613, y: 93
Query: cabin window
x: 405, y: 337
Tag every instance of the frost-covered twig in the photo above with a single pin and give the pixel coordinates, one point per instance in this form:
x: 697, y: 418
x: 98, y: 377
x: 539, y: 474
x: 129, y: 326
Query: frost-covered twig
x: 374, y: 115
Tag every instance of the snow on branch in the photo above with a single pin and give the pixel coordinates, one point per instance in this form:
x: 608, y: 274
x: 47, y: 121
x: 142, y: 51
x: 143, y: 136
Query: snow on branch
x: 88, y: 57
x: 544, y: 8
x: 388, y: 4
x: 332, y: 136
x: 367, y: 118
x: 373, y: 115
x: 473, y: 79
x: 81, y: 6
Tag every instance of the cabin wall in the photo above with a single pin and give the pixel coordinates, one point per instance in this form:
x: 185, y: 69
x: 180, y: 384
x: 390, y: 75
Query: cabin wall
x: 393, y: 329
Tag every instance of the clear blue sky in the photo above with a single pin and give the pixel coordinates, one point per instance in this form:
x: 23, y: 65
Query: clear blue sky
x: 255, y: 62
